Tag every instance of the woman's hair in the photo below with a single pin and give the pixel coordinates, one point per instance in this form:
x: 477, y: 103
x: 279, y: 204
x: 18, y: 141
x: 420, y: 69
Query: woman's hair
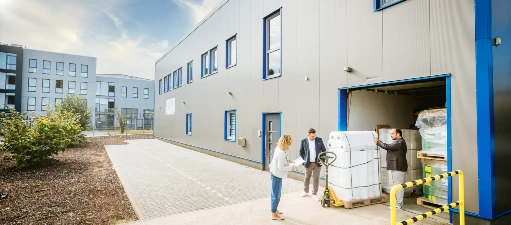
x: 285, y: 142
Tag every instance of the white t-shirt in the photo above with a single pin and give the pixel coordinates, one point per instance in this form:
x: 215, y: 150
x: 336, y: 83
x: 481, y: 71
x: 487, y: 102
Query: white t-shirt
x: 312, y: 148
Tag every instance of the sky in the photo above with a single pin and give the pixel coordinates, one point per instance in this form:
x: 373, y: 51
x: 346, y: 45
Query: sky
x: 126, y: 36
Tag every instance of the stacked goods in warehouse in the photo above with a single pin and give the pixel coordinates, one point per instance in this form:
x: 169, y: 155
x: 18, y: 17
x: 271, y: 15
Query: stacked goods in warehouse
x: 413, y: 141
x: 354, y: 175
x: 433, y: 128
x: 435, y: 191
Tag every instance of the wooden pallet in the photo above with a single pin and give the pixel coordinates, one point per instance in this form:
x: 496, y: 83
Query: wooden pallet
x: 425, y: 155
x: 428, y: 204
x: 365, y: 202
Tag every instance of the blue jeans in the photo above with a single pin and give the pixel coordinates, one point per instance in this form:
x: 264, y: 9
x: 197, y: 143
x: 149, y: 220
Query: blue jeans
x: 276, y: 190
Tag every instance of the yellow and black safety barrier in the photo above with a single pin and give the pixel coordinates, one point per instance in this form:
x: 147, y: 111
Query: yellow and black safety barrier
x: 460, y: 203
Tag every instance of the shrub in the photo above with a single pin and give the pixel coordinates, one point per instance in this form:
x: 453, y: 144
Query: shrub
x: 17, y: 138
x: 78, y: 105
x: 50, y: 134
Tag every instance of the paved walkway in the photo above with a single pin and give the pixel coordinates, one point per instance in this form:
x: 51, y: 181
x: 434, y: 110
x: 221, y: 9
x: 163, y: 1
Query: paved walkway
x: 163, y: 179
x: 168, y: 184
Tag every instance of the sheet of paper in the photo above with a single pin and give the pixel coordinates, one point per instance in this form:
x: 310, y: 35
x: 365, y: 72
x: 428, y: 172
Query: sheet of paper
x: 298, y: 161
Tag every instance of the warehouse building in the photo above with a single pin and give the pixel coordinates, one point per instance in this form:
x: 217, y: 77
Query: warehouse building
x: 253, y: 70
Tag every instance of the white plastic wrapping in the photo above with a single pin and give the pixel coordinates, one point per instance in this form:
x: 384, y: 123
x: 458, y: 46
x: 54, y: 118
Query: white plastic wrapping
x: 433, y: 129
x: 355, y: 173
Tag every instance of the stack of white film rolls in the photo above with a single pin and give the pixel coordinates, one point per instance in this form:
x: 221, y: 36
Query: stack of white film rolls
x: 356, y: 172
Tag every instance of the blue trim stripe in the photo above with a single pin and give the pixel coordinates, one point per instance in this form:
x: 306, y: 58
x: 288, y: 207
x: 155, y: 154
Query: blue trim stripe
x: 377, y: 3
x: 484, y: 103
x: 449, y: 139
x: 343, y: 110
x: 396, y: 82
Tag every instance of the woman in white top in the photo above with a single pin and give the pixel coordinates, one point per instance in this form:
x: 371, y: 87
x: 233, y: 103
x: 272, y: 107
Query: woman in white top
x: 279, y: 168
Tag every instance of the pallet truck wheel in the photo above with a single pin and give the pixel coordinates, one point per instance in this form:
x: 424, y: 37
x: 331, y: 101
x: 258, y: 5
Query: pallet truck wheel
x: 323, y: 203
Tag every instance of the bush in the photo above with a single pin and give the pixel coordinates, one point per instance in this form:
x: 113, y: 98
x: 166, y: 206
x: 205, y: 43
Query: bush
x: 78, y: 105
x: 17, y: 138
x: 51, y: 134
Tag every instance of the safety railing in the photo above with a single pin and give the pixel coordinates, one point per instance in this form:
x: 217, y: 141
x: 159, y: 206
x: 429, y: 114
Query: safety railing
x: 460, y: 202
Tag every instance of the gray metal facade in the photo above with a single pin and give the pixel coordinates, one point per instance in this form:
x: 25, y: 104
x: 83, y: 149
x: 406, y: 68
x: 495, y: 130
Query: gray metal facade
x: 42, y: 74
x: 11, y: 67
x: 408, y: 40
x: 129, y: 100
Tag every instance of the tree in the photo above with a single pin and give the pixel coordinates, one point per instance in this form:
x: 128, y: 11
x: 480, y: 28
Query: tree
x: 77, y: 105
x: 121, y: 120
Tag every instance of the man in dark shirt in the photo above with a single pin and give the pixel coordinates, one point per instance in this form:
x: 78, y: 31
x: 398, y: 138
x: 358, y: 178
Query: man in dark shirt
x: 396, y: 161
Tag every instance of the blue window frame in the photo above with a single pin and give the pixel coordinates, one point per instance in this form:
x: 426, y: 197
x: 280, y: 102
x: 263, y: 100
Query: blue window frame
x: 272, y: 45
x: 189, y: 124
x: 166, y: 84
x: 230, y: 125
x: 180, y: 77
x: 159, y: 86
x: 209, y: 62
x: 189, y: 72
x: 231, y: 52
x: 175, y: 81
x: 381, y: 4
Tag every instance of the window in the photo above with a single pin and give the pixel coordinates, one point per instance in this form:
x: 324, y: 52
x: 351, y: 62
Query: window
x: 231, y: 52
x: 32, y: 65
x: 44, y: 103
x: 8, y: 99
x: 72, y: 69
x: 31, y: 104
x: 214, y: 60
x: 60, y: 68
x: 135, y: 92
x: 175, y: 81
x: 180, y: 77
x: 131, y: 116
x: 102, y: 88
x: 230, y: 126
x: 273, y: 55
x: 146, y: 93
x: 165, y: 83
x: 11, y: 81
x: 159, y: 87
x: 189, y: 124
x: 85, y: 71
x: 59, y: 86
x: 58, y: 101
x: 83, y: 88
x: 111, y: 89
x: 32, y: 84
x: 46, y: 67
x: 3, y: 60
x: 46, y: 85
x: 205, y: 64
x: 381, y: 4
x: 189, y: 73
x: 124, y: 91
x: 7, y: 81
x: 71, y: 87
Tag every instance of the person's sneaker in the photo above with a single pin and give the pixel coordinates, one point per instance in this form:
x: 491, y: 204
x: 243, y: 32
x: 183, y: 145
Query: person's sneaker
x: 315, y: 197
x: 303, y: 194
x: 398, y: 207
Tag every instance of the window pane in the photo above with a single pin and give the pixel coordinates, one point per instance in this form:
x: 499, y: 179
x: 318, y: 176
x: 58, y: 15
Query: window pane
x: 206, y: 64
x: 232, y: 55
x: 11, y: 82
x: 146, y: 91
x: 72, y: 84
x: 46, y: 67
x: 58, y: 101
x: 111, y: 89
x: 135, y: 92
x: 59, y: 85
x: 60, y: 68
x: 31, y: 100
x: 104, y: 88
x: 190, y: 72
x: 72, y: 69
x: 32, y: 83
x: 85, y: 70
x: 274, y: 63
x: 3, y: 60
x: 32, y: 64
x: 44, y: 103
x: 83, y: 88
x: 46, y: 86
x: 11, y: 61
x: 214, y: 60
x: 275, y: 29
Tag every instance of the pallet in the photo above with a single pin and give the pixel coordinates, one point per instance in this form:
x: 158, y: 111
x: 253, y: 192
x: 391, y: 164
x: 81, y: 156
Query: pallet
x: 365, y: 202
x: 428, y: 204
x: 425, y: 155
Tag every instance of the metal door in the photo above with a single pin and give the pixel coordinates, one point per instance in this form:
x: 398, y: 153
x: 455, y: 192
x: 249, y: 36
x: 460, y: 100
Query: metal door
x: 272, y: 135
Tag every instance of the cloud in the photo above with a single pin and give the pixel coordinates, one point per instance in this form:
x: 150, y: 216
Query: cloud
x: 198, y: 10
x: 81, y: 28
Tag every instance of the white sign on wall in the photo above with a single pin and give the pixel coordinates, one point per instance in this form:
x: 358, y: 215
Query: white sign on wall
x: 170, y: 108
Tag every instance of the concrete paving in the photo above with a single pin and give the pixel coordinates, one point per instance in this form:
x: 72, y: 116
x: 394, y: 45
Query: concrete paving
x: 297, y: 211
x: 168, y: 184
